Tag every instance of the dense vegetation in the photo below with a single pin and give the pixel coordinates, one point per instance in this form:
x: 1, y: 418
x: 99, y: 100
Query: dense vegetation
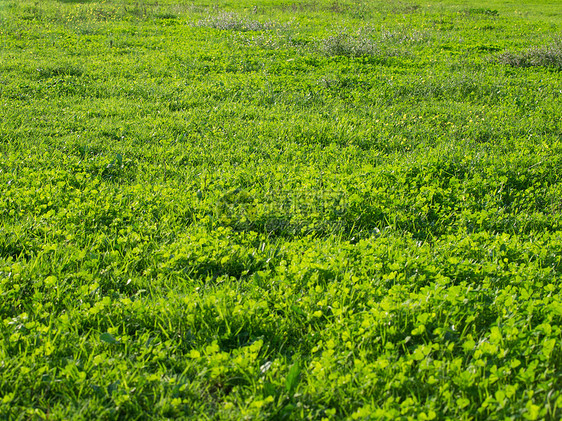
x: 280, y: 209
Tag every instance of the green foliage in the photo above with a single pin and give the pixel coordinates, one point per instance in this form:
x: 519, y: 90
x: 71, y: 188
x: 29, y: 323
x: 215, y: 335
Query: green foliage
x: 280, y: 210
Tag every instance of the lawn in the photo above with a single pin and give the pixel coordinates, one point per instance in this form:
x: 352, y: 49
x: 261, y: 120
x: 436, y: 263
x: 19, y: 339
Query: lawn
x: 280, y: 209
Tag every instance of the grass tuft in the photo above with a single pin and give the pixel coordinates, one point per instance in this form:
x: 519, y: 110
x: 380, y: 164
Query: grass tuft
x: 481, y: 11
x: 546, y: 56
x: 401, y: 36
x: 234, y: 22
x: 343, y: 44
x: 367, y: 43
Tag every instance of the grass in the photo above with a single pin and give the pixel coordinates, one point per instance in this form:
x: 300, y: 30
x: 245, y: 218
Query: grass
x: 276, y: 210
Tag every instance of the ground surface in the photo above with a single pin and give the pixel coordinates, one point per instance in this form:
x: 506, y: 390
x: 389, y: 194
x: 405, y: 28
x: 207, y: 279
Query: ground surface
x: 280, y: 209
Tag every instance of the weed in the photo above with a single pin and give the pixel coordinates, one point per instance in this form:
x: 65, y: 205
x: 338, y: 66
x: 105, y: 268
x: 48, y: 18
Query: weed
x: 234, y: 22
x: 547, y: 56
x: 481, y: 11
x: 343, y: 44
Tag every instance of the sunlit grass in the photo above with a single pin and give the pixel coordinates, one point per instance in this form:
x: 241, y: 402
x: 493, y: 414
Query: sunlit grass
x: 265, y: 210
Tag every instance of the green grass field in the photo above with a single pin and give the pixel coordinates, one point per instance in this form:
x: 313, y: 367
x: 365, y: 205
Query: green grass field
x: 280, y: 209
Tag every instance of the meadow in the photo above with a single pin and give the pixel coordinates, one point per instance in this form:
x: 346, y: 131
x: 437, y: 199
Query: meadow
x: 280, y: 209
